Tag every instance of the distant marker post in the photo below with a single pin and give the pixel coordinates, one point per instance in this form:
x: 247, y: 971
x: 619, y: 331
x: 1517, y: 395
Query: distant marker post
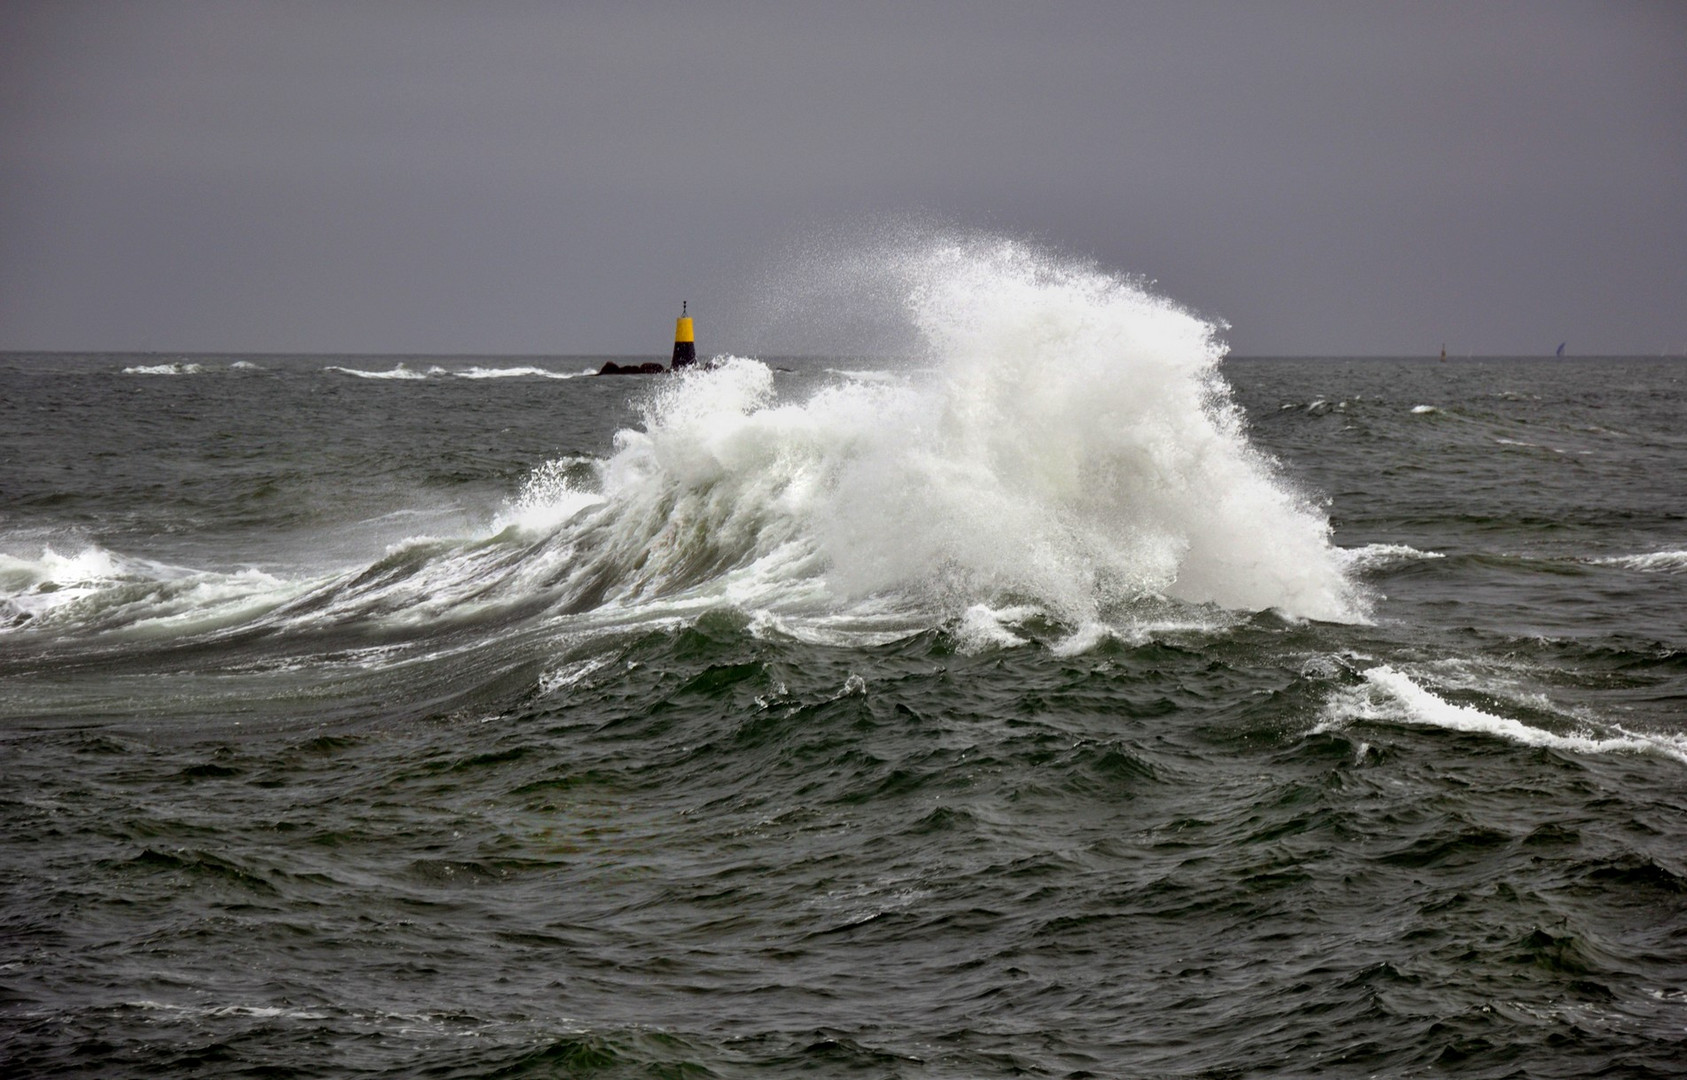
x: 685, y: 341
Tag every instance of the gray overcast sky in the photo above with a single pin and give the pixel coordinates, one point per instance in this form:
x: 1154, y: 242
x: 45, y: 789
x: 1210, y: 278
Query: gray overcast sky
x: 553, y: 177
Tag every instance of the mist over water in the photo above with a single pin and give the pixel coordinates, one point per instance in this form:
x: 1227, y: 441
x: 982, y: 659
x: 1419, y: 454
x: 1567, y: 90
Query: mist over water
x: 1056, y: 696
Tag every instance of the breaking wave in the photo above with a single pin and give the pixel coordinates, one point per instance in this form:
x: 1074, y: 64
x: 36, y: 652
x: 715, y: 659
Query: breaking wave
x: 1389, y: 695
x: 178, y: 368
x: 1068, y: 448
x: 94, y: 590
x: 400, y: 372
x: 1065, y: 452
x: 517, y: 373
x: 1656, y: 561
x: 404, y: 373
x: 1381, y: 556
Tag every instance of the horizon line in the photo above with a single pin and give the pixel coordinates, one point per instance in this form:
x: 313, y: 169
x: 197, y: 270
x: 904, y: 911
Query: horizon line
x: 189, y: 353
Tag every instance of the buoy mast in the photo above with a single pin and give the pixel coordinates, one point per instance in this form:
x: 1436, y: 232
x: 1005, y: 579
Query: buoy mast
x: 685, y: 341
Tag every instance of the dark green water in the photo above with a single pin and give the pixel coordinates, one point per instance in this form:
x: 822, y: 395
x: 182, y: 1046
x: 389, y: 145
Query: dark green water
x: 342, y: 737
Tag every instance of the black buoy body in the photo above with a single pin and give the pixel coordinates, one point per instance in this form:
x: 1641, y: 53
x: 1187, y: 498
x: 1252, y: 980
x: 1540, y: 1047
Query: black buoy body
x: 685, y: 340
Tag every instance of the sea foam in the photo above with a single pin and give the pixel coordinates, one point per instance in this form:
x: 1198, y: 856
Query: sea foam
x: 1655, y: 561
x: 1391, y: 695
x: 97, y: 589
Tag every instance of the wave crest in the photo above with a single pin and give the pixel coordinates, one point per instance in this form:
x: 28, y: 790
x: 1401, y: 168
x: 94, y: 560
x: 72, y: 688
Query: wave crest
x: 1066, y: 455
x: 1071, y: 444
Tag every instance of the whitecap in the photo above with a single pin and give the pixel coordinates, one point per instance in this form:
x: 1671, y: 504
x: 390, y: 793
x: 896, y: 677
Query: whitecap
x: 165, y: 369
x: 550, y: 496
x: 1656, y: 561
x: 1389, y: 695
x: 514, y: 373
x: 569, y: 674
x: 982, y: 627
x: 102, y: 589
x: 1377, y: 556
x: 400, y: 372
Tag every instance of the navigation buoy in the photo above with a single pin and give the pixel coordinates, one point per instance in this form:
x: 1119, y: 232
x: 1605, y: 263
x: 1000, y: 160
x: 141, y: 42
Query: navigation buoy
x: 685, y: 351
x: 685, y: 343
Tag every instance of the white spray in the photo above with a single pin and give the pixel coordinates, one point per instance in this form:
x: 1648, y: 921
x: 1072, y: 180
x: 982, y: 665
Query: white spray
x: 1061, y: 448
x: 1068, y: 444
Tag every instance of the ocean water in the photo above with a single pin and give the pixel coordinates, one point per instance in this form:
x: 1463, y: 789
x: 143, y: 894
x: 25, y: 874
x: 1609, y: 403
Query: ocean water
x: 1062, y: 699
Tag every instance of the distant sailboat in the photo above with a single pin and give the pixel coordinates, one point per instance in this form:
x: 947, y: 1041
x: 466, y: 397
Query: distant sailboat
x: 1561, y: 345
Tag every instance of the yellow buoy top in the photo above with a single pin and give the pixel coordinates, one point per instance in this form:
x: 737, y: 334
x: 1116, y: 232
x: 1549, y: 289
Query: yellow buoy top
x: 682, y: 329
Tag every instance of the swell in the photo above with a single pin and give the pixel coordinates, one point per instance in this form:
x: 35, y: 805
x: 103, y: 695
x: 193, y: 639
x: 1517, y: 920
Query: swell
x: 724, y: 853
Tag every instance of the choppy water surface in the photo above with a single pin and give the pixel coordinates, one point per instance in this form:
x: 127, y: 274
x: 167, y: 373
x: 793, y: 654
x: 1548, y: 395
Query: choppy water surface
x: 1060, y: 702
